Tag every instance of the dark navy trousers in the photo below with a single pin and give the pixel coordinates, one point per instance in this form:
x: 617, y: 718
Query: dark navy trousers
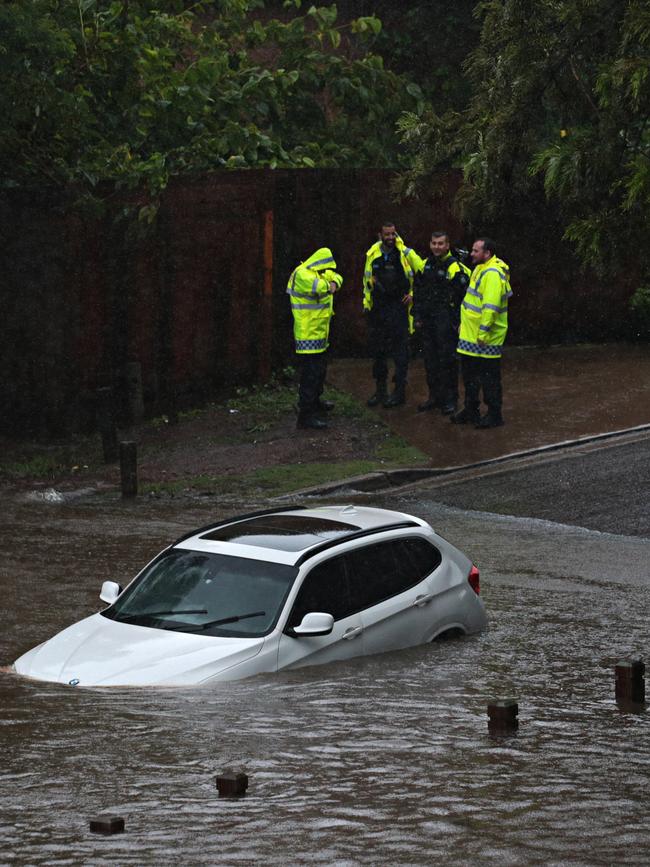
x: 439, y: 341
x: 388, y: 338
x: 313, y: 368
x: 482, y: 375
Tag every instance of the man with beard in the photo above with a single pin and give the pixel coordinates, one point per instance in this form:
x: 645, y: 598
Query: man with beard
x: 483, y: 328
x: 387, y: 298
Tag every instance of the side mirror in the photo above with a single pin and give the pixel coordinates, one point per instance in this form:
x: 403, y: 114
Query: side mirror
x: 314, y: 624
x: 109, y: 592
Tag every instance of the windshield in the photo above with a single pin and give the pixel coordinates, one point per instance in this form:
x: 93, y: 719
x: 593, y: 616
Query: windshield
x: 208, y: 594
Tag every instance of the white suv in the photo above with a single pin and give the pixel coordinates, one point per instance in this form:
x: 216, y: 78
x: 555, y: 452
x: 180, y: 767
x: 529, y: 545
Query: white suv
x: 267, y: 591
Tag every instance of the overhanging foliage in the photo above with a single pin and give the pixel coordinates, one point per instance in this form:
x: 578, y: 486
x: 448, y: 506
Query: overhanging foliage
x: 133, y: 91
x: 560, y: 108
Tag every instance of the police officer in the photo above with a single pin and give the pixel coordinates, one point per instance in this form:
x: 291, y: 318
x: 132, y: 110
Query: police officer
x: 387, y: 297
x: 438, y: 290
x: 483, y: 329
x: 311, y: 289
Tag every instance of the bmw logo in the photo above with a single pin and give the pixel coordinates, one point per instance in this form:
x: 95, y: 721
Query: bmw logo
x: 74, y: 681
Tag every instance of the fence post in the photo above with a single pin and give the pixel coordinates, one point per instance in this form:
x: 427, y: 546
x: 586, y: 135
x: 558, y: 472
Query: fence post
x: 106, y: 424
x: 129, y: 469
x: 133, y: 375
x: 265, y: 327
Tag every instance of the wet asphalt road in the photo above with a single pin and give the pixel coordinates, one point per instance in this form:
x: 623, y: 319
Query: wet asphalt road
x: 607, y: 489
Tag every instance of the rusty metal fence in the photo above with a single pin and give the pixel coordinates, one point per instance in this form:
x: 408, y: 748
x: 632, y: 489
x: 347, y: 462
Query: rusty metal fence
x: 197, y: 303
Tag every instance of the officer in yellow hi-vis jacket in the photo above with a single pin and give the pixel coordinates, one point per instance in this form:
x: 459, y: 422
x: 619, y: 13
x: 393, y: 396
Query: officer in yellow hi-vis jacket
x: 311, y: 289
x: 483, y: 328
x: 438, y: 291
x: 387, y: 297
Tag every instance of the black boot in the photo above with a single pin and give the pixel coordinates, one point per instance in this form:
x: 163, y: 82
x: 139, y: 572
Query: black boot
x: 489, y: 420
x: 465, y: 416
x: 428, y: 404
x: 308, y: 420
x: 380, y: 394
x: 397, y: 398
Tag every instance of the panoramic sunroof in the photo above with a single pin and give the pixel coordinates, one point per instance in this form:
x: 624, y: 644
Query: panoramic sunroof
x: 282, y: 532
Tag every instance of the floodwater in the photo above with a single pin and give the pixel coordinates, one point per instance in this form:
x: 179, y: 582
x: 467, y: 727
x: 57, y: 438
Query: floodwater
x: 381, y: 760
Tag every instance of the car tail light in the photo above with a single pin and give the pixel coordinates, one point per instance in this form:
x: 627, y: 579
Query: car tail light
x: 474, y: 580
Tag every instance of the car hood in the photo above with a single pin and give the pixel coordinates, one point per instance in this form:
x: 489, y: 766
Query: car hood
x: 102, y: 652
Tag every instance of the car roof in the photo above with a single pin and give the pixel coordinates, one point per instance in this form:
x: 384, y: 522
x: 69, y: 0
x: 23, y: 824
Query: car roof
x: 292, y: 534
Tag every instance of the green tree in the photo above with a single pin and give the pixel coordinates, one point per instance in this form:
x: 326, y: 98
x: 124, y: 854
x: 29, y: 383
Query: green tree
x: 134, y: 92
x: 559, y: 109
x: 429, y: 42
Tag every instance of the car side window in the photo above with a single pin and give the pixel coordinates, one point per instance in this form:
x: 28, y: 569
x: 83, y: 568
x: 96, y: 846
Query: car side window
x: 422, y: 556
x: 324, y: 589
x: 385, y: 569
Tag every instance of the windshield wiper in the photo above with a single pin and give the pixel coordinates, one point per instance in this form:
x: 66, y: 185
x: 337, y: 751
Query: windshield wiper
x: 233, y: 619
x: 162, y: 613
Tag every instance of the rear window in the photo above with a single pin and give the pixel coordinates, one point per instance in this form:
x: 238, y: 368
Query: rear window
x: 387, y: 569
x: 282, y: 532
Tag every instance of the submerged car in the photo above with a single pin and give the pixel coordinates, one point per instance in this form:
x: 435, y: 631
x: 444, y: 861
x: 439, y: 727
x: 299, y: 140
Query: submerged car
x: 268, y: 591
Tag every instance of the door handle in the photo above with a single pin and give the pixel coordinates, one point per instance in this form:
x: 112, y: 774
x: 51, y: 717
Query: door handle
x: 353, y: 632
x: 421, y: 601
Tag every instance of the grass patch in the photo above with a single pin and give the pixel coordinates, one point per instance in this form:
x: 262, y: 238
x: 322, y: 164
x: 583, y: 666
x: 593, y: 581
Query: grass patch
x: 283, y: 479
x: 264, y: 402
x: 178, y: 486
x: 268, y: 480
x: 348, y: 406
x: 395, y: 450
x: 38, y: 466
x: 269, y: 402
x: 49, y: 463
x: 293, y: 477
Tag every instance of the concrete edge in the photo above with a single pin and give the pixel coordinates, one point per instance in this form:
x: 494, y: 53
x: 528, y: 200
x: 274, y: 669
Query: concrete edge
x: 387, y: 479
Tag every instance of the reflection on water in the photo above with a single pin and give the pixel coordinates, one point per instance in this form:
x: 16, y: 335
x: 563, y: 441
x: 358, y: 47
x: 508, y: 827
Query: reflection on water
x: 383, y: 759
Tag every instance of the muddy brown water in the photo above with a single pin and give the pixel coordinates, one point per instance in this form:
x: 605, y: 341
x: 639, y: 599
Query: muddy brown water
x: 383, y: 759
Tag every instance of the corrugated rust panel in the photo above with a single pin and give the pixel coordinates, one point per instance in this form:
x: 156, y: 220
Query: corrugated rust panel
x: 218, y: 265
x: 191, y: 300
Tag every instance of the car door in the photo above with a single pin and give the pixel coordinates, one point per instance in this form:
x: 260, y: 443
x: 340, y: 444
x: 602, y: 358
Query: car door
x: 324, y: 589
x: 390, y: 587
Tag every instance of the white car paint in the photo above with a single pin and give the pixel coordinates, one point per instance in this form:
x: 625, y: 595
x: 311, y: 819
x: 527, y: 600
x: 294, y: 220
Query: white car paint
x: 98, y: 651
x: 102, y: 652
x: 344, y: 642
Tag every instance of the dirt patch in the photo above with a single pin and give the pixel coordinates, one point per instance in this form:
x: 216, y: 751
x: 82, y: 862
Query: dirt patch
x: 246, y: 445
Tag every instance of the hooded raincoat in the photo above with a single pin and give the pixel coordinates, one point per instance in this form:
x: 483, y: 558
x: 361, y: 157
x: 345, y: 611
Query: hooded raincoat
x: 312, y: 302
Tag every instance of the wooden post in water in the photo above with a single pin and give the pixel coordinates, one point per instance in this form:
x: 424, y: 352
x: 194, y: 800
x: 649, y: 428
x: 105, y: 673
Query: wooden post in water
x: 630, y: 682
x: 502, y: 716
x: 106, y: 424
x: 107, y: 825
x: 129, y: 469
x: 232, y: 784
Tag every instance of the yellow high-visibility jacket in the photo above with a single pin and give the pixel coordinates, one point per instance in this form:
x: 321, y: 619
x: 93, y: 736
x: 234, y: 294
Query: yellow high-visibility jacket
x: 410, y: 261
x: 484, y: 311
x: 312, y: 303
